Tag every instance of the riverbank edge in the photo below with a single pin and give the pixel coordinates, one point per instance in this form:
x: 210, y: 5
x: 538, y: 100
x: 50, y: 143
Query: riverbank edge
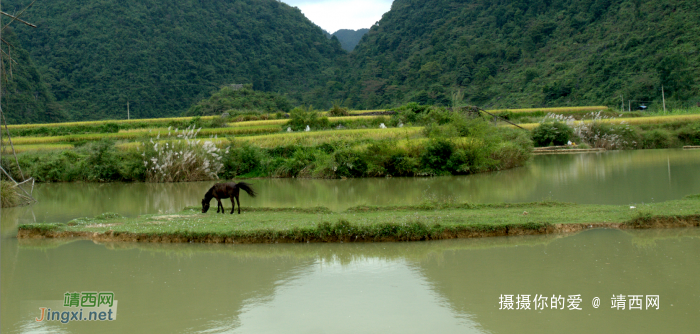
x: 343, y: 231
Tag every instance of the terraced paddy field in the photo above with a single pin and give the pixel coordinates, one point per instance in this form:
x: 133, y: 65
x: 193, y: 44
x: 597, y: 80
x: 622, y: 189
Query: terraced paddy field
x: 267, y: 133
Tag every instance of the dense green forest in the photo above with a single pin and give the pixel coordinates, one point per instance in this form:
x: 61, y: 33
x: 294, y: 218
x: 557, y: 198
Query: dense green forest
x: 525, y: 53
x: 240, y: 98
x: 25, y: 97
x: 349, y: 38
x: 164, y: 56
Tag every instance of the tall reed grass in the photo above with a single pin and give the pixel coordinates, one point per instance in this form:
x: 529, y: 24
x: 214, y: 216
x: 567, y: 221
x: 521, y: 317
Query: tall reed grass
x: 8, y: 195
x: 185, y: 159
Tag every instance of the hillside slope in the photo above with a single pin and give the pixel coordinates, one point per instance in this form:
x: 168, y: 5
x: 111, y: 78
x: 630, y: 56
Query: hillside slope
x: 25, y: 97
x: 527, y: 53
x: 164, y: 56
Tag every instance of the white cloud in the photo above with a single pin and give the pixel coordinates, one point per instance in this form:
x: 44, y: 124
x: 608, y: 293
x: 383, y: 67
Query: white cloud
x: 333, y: 15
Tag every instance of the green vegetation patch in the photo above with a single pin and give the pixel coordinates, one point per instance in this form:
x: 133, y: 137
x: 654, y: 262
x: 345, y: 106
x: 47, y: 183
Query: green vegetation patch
x: 372, y: 224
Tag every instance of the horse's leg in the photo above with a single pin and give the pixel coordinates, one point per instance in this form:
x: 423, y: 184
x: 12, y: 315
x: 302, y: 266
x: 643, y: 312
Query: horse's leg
x: 233, y: 205
x: 219, y: 205
x: 239, y: 205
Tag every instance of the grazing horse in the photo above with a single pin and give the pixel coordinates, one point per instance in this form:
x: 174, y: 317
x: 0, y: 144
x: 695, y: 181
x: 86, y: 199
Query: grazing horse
x: 226, y: 190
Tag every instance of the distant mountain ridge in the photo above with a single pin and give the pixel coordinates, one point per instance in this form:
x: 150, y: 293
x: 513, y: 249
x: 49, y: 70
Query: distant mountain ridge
x: 349, y: 38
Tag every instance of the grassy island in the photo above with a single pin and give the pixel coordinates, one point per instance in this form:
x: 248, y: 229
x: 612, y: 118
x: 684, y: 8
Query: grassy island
x: 429, y: 221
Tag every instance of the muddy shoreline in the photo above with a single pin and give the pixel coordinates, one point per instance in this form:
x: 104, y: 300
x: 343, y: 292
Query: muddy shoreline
x: 658, y: 222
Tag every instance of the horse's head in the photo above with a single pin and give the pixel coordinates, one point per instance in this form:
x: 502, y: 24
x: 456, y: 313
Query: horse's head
x: 205, y: 205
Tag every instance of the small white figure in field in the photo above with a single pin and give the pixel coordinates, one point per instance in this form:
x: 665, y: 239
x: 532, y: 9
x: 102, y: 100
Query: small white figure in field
x: 307, y: 129
x: 401, y: 125
x: 289, y: 129
x: 633, y: 207
x: 382, y: 126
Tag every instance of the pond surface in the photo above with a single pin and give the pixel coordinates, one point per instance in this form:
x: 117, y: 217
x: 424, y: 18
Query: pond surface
x: 450, y: 286
x: 622, y: 177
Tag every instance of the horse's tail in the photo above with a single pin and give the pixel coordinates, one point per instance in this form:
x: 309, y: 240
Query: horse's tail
x: 247, y: 188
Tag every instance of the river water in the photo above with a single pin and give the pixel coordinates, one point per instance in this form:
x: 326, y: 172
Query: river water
x: 450, y: 286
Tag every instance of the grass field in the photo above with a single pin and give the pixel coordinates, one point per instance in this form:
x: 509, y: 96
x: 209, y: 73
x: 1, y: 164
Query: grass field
x: 422, y: 222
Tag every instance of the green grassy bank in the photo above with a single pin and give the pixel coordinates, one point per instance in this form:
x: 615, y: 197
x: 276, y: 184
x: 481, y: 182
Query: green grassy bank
x: 429, y: 221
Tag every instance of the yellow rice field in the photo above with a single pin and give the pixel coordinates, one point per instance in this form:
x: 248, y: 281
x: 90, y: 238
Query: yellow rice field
x: 634, y: 120
x: 316, y: 137
x: 554, y: 110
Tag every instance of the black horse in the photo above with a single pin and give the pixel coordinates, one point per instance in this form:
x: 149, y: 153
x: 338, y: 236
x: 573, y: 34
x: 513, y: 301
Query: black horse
x: 226, y: 190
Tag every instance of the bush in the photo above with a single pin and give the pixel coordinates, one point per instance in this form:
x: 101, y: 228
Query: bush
x: 349, y: 163
x: 658, y: 138
x: 436, y: 156
x: 555, y: 133
x: 110, y: 128
x: 242, y: 160
x: 102, y: 162
x: 690, y: 134
x: 301, y: 117
x: 337, y: 110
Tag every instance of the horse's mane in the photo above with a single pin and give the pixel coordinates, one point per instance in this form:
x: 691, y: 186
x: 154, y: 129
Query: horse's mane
x: 209, y: 194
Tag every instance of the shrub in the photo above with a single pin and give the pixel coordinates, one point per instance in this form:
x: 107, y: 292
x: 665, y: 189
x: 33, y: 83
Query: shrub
x: 690, y: 134
x: 292, y: 166
x: 408, y: 114
x: 349, y: 163
x: 337, y: 110
x: 554, y: 133
x: 241, y: 160
x: 101, y: 164
x: 437, y: 154
x: 110, y: 128
x: 300, y: 117
x: 657, y: 138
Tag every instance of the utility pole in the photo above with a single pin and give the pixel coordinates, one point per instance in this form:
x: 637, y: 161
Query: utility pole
x: 127, y: 110
x: 663, y: 97
x: 622, y: 105
x: 629, y: 105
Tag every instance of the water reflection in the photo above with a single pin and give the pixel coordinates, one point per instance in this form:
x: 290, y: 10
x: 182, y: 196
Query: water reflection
x: 625, y: 177
x: 447, y: 286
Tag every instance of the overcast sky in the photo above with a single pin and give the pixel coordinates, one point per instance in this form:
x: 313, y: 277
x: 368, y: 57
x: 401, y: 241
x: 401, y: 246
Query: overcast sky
x: 332, y: 15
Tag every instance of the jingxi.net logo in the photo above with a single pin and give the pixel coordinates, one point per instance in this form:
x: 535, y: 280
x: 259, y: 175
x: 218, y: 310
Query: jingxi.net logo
x: 80, y: 306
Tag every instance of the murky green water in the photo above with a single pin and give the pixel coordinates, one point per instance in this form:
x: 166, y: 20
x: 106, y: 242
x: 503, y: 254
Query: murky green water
x: 626, y: 177
x: 438, y: 287
x: 443, y: 287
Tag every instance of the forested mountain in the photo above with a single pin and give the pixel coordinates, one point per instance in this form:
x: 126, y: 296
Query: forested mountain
x: 349, y: 38
x: 25, y: 97
x: 165, y: 55
x: 520, y: 53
